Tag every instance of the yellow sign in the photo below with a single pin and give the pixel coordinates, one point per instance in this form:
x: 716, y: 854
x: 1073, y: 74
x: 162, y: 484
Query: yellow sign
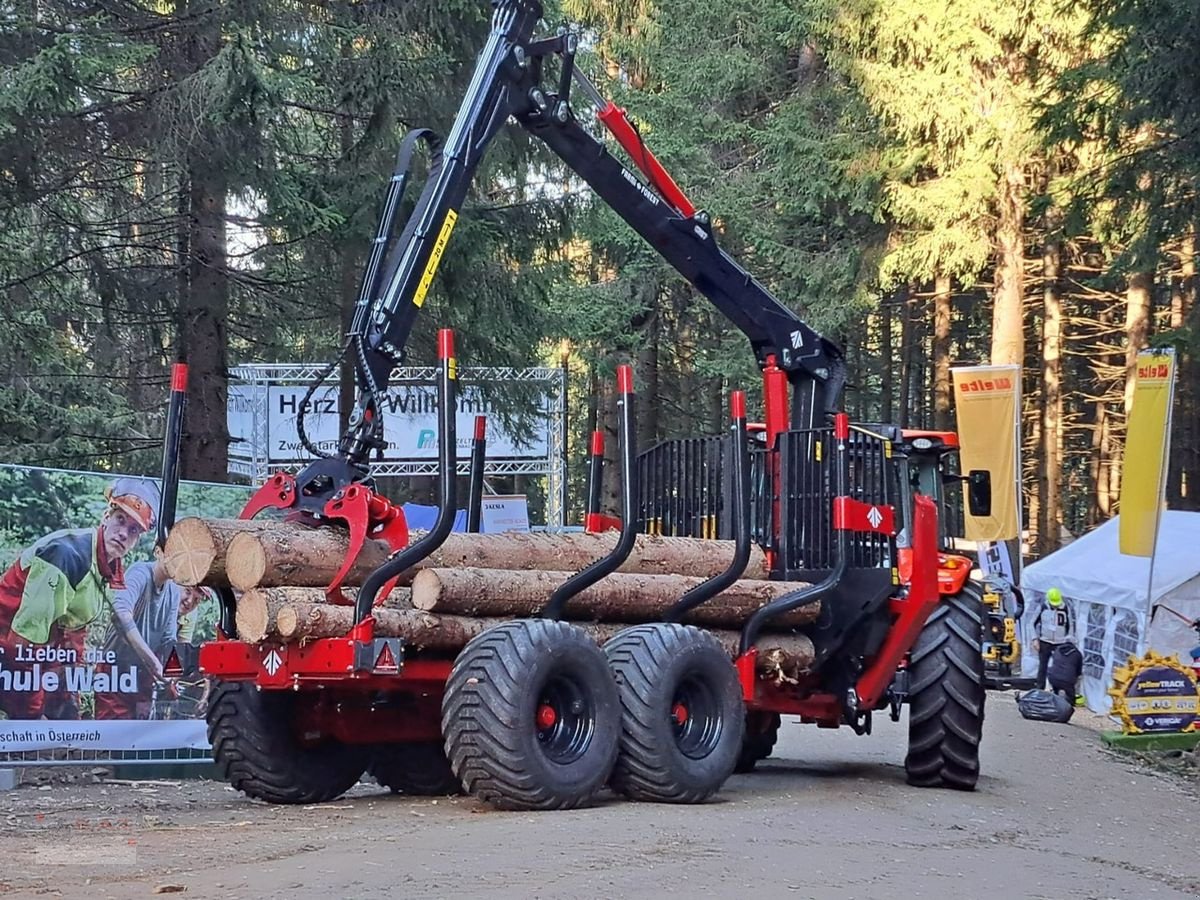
x: 1146, y: 441
x: 435, y: 257
x: 988, y: 402
x: 1155, y: 693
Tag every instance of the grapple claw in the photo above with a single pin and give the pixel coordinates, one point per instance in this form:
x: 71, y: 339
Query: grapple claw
x: 367, y: 515
x: 277, y: 492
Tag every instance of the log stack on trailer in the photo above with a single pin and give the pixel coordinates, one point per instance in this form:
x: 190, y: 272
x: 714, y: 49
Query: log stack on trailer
x: 277, y: 571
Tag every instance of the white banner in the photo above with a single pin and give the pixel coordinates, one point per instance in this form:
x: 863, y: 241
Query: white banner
x: 409, y: 423
x: 504, y: 512
x: 85, y: 734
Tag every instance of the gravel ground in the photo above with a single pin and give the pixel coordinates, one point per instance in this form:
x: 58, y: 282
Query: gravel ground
x: 828, y: 817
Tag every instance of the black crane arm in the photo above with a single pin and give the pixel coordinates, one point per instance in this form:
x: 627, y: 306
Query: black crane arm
x: 507, y: 82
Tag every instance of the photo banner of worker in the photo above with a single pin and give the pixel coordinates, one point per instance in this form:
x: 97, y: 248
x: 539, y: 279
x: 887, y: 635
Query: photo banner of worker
x: 97, y: 645
x: 1147, y: 445
x: 988, y: 408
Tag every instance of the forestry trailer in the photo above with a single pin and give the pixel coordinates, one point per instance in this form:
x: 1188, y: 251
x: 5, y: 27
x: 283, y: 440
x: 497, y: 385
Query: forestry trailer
x: 663, y: 663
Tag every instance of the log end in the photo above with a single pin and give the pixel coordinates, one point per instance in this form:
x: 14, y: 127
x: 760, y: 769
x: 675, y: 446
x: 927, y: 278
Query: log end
x: 287, y: 622
x: 252, y: 616
x: 426, y: 590
x: 245, y: 561
x: 190, y: 552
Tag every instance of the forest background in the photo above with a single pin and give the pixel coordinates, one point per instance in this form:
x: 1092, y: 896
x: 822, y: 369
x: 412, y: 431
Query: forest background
x: 928, y: 182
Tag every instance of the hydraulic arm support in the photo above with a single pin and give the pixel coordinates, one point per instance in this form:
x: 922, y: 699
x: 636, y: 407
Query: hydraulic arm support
x: 508, y: 82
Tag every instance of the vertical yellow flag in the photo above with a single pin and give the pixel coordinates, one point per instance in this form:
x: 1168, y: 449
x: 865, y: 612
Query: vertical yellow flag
x: 988, y: 403
x: 1147, y: 438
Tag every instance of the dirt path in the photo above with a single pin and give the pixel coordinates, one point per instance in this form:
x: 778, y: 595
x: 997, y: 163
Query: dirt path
x: 829, y: 818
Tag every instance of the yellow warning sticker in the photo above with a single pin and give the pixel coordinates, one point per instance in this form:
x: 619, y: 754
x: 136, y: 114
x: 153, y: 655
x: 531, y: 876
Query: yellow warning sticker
x: 435, y: 257
x: 452, y: 368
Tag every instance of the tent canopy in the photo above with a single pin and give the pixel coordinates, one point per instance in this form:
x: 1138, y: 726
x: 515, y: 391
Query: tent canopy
x: 1093, y: 569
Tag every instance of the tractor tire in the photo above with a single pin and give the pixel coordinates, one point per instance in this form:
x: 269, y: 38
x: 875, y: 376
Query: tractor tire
x: 418, y: 769
x: 257, y: 752
x: 946, y: 696
x: 531, y: 716
x: 762, y: 730
x: 682, y: 717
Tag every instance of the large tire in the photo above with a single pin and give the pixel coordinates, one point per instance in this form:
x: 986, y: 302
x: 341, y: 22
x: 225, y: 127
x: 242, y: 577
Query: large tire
x: 946, y: 696
x: 762, y: 731
x: 531, y: 716
x: 256, y: 750
x: 682, y: 716
x: 418, y: 769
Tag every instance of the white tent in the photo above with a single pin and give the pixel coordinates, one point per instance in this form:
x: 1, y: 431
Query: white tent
x: 1117, y: 611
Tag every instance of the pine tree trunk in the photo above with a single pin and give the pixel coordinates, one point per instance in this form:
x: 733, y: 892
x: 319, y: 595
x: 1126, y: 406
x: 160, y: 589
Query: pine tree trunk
x: 906, y: 358
x: 943, y: 314
x: 887, y: 360
x: 204, y: 308
x: 1008, y: 324
x: 1050, y: 474
x: 783, y: 657
x: 1184, y: 487
x: 617, y: 598
x: 261, y: 554
x: 1138, y: 299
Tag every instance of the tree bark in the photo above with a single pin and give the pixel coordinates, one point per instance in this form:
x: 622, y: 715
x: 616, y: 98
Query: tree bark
x: 258, y: 610
x: 1138, y: 298
x: 943, y: 314
x: 298, y: 555
x: 1008, y: 320
x: 1183, y: 488
x: 277, y: 553
x: 1050, y: 487
x: 906, y: 358
x: 196, y: 549
x: 204, y: 307
x: 617, y: 598
x: 887, y: 362
x: 781, y: 657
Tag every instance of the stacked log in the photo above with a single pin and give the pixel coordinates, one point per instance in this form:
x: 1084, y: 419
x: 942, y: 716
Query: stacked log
x: 202, y: 551
x: 474, y: 581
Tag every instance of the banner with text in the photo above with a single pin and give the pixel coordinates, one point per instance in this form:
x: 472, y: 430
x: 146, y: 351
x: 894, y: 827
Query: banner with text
x: 1147, y: 443
x: 409, y: 422
x: 988, y: 405
x: 97, y: 646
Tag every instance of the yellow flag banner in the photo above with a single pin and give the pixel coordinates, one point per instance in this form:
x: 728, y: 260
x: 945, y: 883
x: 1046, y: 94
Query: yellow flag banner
x: 987, y: 402
x: 1146, y: 441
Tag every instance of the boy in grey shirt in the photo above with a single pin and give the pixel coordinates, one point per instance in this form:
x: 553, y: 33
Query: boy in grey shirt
x: 145, y: 621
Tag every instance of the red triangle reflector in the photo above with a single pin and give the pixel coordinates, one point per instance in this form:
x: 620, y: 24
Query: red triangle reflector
x: 386, y: 661
x: 172, y: 666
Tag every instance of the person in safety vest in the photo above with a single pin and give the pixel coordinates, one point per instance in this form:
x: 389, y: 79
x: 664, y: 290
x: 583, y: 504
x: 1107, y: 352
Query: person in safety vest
x: 53, y: 592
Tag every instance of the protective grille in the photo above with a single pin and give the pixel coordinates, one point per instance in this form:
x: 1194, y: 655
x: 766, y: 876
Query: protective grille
x: 680, y: 489
x: 809, y: 463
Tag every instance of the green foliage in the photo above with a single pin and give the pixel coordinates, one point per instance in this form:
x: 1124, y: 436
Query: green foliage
x: 1129, y: 107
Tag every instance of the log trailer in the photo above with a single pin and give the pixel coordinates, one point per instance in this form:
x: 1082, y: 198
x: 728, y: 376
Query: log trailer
x: 545, y: 710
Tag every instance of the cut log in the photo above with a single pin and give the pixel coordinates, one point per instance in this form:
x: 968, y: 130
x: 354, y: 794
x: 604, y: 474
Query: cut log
x: 310, y: 557
x: 258, y: 610
x: 781, y: 657
x: 196, y: 548
x: 255, y: 616
x: 298, y: 556
x: 617, y: 598
x: 547, y: 552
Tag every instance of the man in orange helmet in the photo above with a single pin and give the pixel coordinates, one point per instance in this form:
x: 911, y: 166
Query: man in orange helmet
x: 54, y: 590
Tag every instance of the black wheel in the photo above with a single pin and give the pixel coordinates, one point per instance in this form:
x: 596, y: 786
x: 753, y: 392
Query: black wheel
x: 417, y: 769
x: 762, y: 730
x: 946, y: 696
x: 531, y: 716
x: 257, y: 752
x: 682, y: 717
